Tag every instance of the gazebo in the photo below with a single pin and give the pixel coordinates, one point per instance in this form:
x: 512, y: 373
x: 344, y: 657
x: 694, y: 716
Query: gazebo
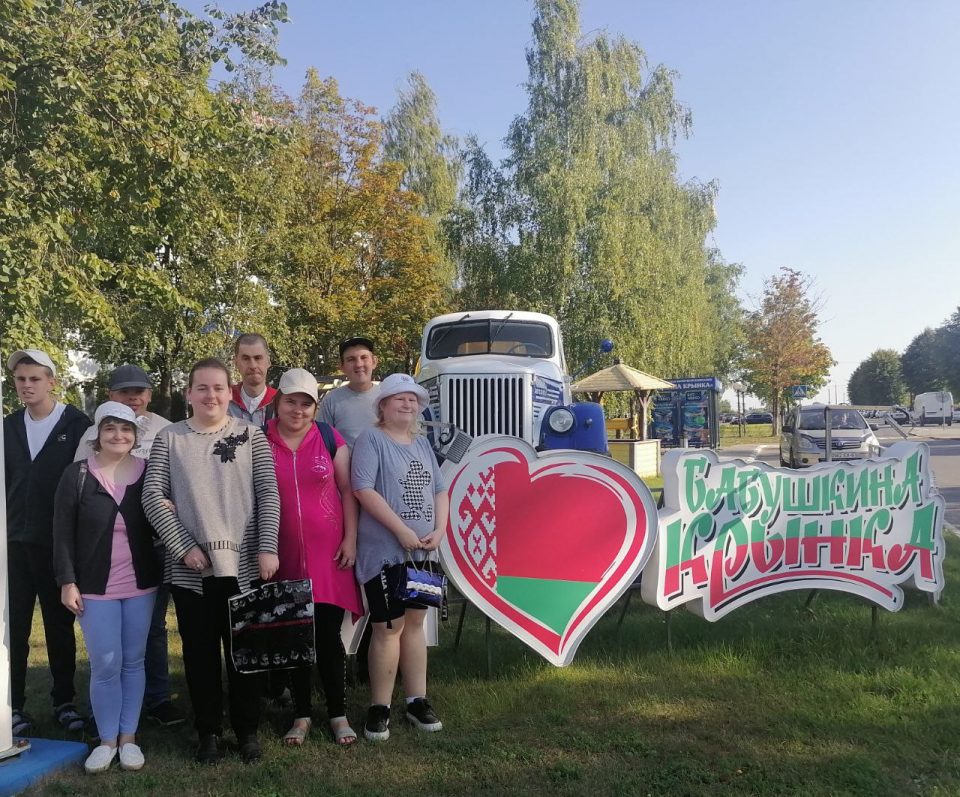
x: 619, y: 378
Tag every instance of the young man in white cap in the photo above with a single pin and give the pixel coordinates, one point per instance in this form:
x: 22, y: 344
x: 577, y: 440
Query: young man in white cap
x: 251, y: 399
x: 352, y: 408
x: 40, y: 441
x: 131, y: 386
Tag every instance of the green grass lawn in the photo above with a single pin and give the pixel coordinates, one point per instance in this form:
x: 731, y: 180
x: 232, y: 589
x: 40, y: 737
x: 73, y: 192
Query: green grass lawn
x: 771, y: 700
x: 753, y: 434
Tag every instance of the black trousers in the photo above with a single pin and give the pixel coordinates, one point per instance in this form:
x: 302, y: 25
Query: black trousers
x: 204, y: 622
x: 331, y: 664
x: 30, y: 576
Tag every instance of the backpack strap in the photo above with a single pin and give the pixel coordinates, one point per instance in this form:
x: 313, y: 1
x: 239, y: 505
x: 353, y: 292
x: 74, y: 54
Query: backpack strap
x: 328, y: 439
x: 326, y: 432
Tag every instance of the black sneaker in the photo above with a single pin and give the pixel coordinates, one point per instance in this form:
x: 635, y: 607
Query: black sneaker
x: 22, y: 722
x: 166, y: 714
x: 250, y: 750
x: 420, y: 715
x: 377, y: 728
x: 210, y: 749
x: 69, y: 718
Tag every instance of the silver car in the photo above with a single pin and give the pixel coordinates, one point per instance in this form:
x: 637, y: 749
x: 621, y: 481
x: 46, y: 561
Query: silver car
x: 803, y: 437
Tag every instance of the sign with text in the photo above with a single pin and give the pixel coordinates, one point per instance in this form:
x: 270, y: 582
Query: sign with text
x: 732, y: 532
x: 544, y: 543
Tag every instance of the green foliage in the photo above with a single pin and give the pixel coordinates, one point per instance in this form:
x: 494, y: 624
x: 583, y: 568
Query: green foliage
x: 878, y: 380
x: 586, y: 219
x: 431, y: 163
x: 353, y: 252
x: 923, y: 362
x: 781, y: 345
x: 112, y: 146
x: 949, y: 343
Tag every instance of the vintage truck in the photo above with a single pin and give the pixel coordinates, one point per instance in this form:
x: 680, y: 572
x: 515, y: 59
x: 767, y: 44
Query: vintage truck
x: 504, y: 372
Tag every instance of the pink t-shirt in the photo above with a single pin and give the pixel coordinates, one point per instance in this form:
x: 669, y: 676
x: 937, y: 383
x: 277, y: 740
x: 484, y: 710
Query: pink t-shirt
x: 122, y: 581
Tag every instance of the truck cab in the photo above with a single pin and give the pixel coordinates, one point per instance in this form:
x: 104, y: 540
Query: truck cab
x: 504, y: 372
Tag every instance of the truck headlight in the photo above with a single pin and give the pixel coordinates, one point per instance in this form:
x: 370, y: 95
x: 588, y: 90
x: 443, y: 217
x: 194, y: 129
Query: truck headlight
x: 560, y: 421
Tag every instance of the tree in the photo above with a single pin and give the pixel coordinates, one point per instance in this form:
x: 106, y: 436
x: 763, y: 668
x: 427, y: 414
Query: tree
x: 354, y: 252
x: 949, y: 345
x: 781, y: 343
x: 430, y: 158
x: 878, y: 380
x: 586, y: 218
x: 922, y: 364
x: 111, y: 146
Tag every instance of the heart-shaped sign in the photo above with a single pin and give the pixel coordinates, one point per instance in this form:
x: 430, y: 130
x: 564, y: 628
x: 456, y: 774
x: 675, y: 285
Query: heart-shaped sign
x: 545, y: 544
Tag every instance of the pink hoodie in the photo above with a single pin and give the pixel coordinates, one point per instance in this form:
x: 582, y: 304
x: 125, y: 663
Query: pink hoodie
x: 311, y: 519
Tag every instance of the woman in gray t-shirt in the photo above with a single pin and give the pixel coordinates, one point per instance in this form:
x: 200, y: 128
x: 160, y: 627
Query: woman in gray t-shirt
x: 403, y: 515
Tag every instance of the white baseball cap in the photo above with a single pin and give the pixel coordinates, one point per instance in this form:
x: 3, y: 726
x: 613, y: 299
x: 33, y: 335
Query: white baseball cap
x: 39, y: 357
x: 114, y: 409
x: 403, y: 383
x: 298, y: 380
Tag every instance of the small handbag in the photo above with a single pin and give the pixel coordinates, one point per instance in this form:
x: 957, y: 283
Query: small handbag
x: 422, y: 585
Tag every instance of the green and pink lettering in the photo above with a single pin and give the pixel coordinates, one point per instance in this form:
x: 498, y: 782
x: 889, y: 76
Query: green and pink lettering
x: 732, y: 532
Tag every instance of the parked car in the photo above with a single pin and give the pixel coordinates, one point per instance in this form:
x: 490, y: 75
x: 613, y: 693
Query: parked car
x: 803, y: 437
x: 934, y: 408
x: 899, y: 414
x: 759, y: 417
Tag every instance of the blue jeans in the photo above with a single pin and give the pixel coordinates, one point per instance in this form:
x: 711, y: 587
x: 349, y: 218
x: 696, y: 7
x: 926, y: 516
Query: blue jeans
x: 158, y: 675
x: 115, y: 632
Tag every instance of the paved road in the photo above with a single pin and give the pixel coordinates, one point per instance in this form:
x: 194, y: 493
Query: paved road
x: 945, y: 460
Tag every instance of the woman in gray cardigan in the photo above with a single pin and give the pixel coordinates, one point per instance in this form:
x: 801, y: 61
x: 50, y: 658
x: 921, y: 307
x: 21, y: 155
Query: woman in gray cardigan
x: 211, y: 494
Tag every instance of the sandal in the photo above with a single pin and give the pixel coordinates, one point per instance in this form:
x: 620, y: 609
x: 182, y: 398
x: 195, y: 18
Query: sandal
x: 343, y: 734
x: 298, y: 732
x: 69, y: 718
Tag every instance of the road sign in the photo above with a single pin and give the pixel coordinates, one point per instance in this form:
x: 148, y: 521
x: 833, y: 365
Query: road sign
x: 798, y: 391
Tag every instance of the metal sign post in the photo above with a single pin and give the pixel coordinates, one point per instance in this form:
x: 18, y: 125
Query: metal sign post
x: 6, y: 710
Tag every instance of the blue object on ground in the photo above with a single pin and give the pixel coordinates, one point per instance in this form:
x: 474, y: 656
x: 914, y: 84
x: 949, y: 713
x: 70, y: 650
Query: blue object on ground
x: 44, y: 757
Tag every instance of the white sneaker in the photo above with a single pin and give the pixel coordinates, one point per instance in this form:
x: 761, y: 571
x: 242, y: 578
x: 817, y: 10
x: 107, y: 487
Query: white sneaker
x: 100, y: 759
x: 131, y: 756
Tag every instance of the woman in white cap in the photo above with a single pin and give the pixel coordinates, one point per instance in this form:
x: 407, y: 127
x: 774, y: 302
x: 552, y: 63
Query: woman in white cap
x: 317, y: 540
x: 108, y: 573
x: 403, y: 514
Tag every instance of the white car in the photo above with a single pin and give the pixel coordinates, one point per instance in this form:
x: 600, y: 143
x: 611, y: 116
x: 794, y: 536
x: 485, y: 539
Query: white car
x: 803, y: 436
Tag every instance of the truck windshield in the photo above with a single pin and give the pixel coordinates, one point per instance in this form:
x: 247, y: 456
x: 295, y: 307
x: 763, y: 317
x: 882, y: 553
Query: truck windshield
x: 490, y: 336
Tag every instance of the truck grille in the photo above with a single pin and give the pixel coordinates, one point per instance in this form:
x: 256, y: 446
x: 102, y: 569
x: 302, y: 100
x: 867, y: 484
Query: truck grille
x: 487, y: 404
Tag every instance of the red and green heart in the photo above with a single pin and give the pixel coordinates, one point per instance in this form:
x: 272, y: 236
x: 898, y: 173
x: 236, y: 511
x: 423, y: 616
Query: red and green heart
x: 544, y: 545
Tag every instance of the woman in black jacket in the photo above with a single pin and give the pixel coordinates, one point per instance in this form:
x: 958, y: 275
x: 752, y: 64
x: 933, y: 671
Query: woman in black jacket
x: 108, y: 574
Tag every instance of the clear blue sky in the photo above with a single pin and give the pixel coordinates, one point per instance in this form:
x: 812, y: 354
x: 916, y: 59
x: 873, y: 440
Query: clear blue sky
x: 832, y: 127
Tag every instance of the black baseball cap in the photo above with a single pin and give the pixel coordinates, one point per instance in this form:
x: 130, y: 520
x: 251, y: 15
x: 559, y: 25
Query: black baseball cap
x: 129, y: 376
x: 356, y: 341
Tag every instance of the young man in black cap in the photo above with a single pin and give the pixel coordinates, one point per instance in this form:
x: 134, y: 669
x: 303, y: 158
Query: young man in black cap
x: 131, y: 386
x: 352, y: 407
x: 39, y: 442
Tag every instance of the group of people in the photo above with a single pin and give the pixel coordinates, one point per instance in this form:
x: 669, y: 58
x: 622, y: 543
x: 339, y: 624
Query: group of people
x: 107, y: 521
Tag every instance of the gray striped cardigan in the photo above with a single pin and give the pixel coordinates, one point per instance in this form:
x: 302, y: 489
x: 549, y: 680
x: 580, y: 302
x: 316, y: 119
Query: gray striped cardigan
x: 224, y: 487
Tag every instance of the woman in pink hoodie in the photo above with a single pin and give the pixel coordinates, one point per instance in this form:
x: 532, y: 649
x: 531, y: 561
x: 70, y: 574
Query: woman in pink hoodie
x: 318, y: 540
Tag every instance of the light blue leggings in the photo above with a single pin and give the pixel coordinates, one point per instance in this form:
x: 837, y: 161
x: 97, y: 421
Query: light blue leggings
x: 115, y: 632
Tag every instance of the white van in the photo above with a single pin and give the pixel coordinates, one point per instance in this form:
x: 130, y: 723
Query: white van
x: 933, y: 408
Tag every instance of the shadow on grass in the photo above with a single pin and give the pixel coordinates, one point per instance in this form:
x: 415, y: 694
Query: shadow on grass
x: 769, y: 700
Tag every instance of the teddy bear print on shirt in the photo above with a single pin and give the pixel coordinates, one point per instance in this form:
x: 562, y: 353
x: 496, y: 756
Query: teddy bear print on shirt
x: 413, y: 483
